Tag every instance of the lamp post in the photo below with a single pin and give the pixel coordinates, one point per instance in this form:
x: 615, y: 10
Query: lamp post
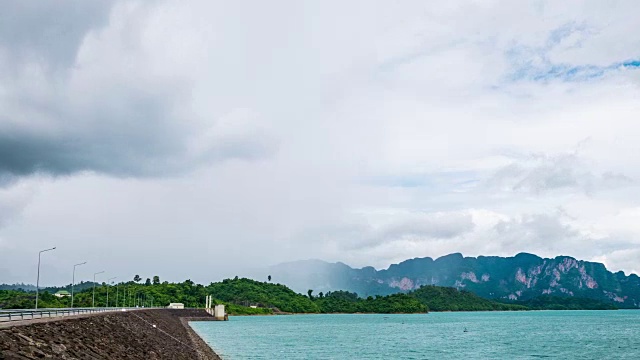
x: 73, y: 281
x: 38, y: 279
x: 93, y: 302
x: 108, y: 280
x: 117, y: 294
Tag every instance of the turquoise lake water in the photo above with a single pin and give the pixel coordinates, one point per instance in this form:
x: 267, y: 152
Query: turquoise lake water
x: 490, y: 335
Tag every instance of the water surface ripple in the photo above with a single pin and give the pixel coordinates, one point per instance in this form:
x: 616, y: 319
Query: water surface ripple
x: 490, y: 335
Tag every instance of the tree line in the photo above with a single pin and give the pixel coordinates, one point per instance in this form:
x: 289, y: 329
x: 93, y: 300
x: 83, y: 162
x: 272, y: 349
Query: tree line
x: 247, y: 296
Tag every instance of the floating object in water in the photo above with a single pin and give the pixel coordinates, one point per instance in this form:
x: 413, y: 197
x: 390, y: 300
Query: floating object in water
x: 465, y: 330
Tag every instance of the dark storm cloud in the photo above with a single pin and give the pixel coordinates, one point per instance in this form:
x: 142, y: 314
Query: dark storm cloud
x: 64, y: 113
x: 137, y: 140
x: 49, y: 31
x: 115, y: 142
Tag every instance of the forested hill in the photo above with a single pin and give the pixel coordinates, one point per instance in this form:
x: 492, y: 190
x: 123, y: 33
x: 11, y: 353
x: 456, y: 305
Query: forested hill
x: 52, y: 289
x: 439, y: 298
x: 547, y: 302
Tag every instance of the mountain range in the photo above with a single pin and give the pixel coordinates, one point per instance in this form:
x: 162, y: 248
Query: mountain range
x: 518, y: 278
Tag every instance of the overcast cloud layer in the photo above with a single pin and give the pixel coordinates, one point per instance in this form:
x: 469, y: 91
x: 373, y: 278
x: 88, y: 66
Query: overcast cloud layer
x: 206, y: 140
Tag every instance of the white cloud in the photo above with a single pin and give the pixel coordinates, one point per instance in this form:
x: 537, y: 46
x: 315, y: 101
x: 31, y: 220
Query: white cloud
x: 539, y: 173
x: 274, y: 132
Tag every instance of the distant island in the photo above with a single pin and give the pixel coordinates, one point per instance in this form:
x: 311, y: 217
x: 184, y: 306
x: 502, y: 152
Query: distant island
x: 244, y: 296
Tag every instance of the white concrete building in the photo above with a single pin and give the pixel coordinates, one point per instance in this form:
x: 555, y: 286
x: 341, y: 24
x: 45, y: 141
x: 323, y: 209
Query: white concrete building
x: 218, y: 312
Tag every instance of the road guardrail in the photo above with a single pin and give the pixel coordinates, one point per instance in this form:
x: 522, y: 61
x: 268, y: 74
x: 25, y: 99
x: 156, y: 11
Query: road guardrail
x: 33, y: 314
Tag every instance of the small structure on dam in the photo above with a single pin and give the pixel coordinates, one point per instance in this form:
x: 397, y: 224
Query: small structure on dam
x: 219, y: 314
x: 217, y: 311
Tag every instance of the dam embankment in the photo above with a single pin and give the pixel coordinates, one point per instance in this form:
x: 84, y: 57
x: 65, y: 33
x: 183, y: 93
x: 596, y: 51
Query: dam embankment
x: 140, y: 334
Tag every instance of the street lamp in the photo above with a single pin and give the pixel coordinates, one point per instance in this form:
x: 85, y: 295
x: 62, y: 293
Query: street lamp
x: 38, y: 279
x: 73, y: 282
x: 108, y: 280
x: 93, y: 302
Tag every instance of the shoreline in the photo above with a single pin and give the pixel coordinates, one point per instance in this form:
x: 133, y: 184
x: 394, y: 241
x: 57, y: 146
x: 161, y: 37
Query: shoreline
x: 425, y: 313
x: 204, y: 350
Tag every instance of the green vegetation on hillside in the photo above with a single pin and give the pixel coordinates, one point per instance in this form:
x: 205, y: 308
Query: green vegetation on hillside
x: 235, y: 309
x: 346, y: 302
x: 51, y: 289
x: 281, y: 298
x: 262, y: 294
x: 439, y: 298
x: 547, y: 302
x: 21, y: 286
x: 17, y: 299
x: 239, y: 295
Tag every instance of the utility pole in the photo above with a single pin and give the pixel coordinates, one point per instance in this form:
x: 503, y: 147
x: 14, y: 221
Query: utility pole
x: 73, y: 281
x: 93, y: 302
x: 38, y: 279
x: 108, y: 280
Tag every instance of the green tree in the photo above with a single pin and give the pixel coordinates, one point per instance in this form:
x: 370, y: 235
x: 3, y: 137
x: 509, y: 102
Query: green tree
x: 310, y: 293
x: 156, y: 280
x: 137, y: 278
x: 439, y: 298
x: 148, y: 282
x: 269, y: 277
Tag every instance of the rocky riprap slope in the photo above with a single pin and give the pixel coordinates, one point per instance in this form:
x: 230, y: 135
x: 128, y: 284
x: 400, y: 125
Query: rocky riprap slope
x: 118, y: 335
x: 521, y: 277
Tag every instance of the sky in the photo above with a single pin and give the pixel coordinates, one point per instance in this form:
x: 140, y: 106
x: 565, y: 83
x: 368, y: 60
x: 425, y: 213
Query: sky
x: 200, y: 140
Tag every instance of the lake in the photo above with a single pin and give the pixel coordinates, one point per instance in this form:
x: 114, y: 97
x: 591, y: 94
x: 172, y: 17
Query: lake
x: 490, y: 335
